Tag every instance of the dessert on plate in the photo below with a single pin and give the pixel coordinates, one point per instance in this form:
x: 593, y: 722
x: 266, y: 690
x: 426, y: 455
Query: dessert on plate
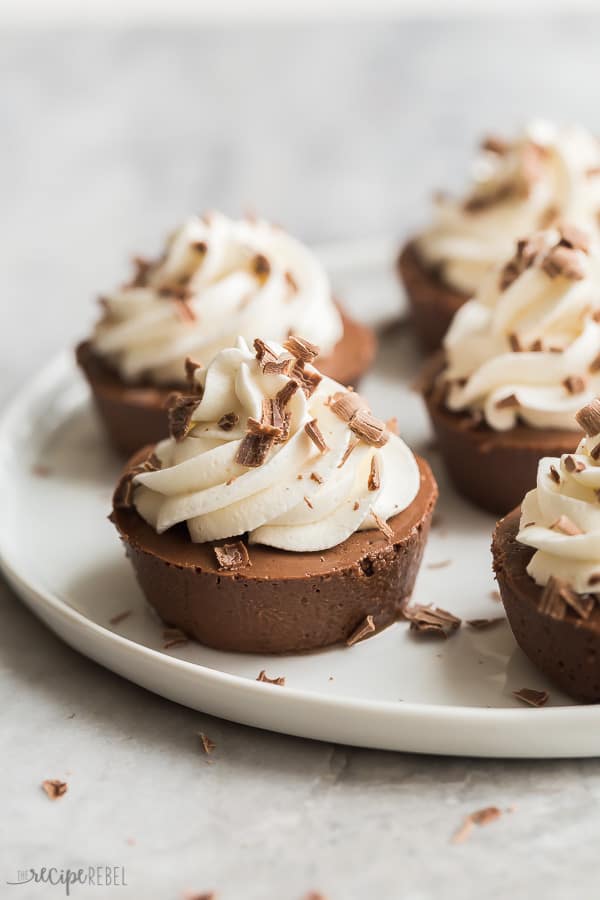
x: 519, y: 187
x: 547, y: 562
x: 216, y: 279
x: 280, y: 515
x: 518, y: 362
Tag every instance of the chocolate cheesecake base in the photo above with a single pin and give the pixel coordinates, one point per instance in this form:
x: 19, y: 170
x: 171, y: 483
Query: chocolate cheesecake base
x: 492, y: 469
x: 283, y: 602
x: 566, y: 650
x: 432, y: 302
x: 135, y: 415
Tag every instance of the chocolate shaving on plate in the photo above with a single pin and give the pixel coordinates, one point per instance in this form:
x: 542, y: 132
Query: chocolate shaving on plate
x: 531, y: 697
x: 301, y: 348
x: 439, y: 565
x: 55, y: 788
x: 362, y: 631
x: 315, y: 434
x: 233, y: 556
x: 228, y: 421
x: 262, y: 676
x: 180, y: 416
x: 589, y: 418
x: 432, y: 620
x: 174, y: 637
x: 480, y: 817
x: 120, y: 617
x: 482, y: 624
x: 207, y: 745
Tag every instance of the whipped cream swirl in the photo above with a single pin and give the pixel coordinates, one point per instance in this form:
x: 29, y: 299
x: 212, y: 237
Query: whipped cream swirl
x: 216, y: 279
x: 315, y: 473
x: 518, y: 187
x: 527, y: 347
x: 560, y: 518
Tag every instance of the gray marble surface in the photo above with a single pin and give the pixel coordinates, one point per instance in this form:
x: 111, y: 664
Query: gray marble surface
x: 108, y: 138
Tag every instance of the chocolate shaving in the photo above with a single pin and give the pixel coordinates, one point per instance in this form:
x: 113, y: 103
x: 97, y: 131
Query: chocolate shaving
x: 574, y: 384
x: 536, y: 346
x: 515, y: 343
x: 55, y: 788
x: 566, y: 526
x: 174, y: 637
x: 554, y: 474
x: 41, y: 471
x: 291, y: 281
x: 345, y: 404
x: 180, y: 416
x: 374, y: 482
x: 281, y: 366
x: 366, y: 628
x: 308, y: 381
x: 286, y: 393
x: 531, y: 697
x: 261, y: 267
x: 316, y: 477
x: 368, y: 428
x: 262, y: 676
x: 552, y: 602
x: 142, y: 268
x: 233, y: 556
x: 432, y: 620
x: 120, y: 617
x: 392, y: 425
x: 508, y: 402
x: 482, y: 624
x: 573, y: 237
x: 527, y: 250
x: 263, y: 352
x: 352, y: 444
x: 573, y: 465
x: 275, y: 418
x: 253, y: 450
x: 199, y: 247
x: 594, y: 366
x: 594, y: 579
x: 589, y: 418
x: 207, y: 745
x: 480, y: 817
x: 123, y: 496
x: 383, y: 527
x: 228, y: 421
x: 308, y: 503
x: 495, y: 144
x: 191, y: 367
x: 439, y: 565
x: 186, y: 312
x: 563, y: 261
x: 301, y: 348
x: 595, y: 452
x: 314, y: 432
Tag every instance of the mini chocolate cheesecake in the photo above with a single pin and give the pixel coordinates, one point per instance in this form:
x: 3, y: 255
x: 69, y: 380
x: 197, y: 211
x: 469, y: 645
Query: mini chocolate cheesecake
x: 432, y: 302
x: 280, y: 515
x: 256, y: 599
x: 556, y: 628
x: 492, y: 469
x: 135, y: 415
x: 215, y: 279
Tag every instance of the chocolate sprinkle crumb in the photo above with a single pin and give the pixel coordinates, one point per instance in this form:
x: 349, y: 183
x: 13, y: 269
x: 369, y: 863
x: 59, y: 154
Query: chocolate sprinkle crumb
x: 374, y: 482
x: 120, y: 617
x: 314, y: 432
x: 55, y: 788
x: 207, y: 745
x: 233, y: 556
x: 301, y: 348
x: 228, y: 421
x: 439, y: 565
x: 432, y: 620
x: 589, y: 418
x: 308, y: 503
x: 262, y: 676
x: 180, y: 416
x: 531, y: 697
x: 515, y: 343
x: 366, y: 628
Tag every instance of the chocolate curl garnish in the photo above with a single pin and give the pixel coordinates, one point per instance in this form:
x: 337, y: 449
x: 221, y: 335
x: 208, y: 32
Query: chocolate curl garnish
x: 281, y: 366
x: 274, y: 416
x: 286, y: 393
x: 383, y: 527
x: 180, y: 416
x: 374, y: 482
x: 432, y: 620
x: 573, y: 465
x: 508, y: 402
x: 263, y: 352
x: 362, y: 631
x: 233, y: 556
x: 345, y: 404
x: 315, y: 434
x: 123, y: 496
x: 55, y: 788
x: 301, y: 348
x: 308, y: 381
x: 253, y: 450
x: 261, y: 267
x: 228, y: 421
x: 349, y: 407
x: 589, y: 418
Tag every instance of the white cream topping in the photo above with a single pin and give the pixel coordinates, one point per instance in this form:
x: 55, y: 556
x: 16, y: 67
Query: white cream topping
x: 547, y: 171
x: 217, y: 266
x: 562, y: 520
x: 300, y: 498
x: 528, y: 352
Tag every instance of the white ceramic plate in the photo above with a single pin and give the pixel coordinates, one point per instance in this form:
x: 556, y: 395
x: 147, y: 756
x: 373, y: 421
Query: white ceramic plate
x: 394, y: 691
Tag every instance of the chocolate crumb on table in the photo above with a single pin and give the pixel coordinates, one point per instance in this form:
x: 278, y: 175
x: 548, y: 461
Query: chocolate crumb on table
x: 480, y: 817
x: 482, y: 624
x: 262, y: 676
x: 439, y: 565
x: 532, y: 697
x: 207, y: 745
x: 432, y: 620
x: 174, y: 637
x: 55, y: 788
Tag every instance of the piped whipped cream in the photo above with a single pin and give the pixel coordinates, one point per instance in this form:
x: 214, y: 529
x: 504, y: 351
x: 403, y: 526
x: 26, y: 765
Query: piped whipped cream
x: 216, y: 279
x: 527, y: 347
x: 271, y: 448
x: 518, y: 187
x: 560, y: 518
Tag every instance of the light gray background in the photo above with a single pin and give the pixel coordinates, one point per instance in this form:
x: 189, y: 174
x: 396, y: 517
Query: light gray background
x: 108, y: 138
